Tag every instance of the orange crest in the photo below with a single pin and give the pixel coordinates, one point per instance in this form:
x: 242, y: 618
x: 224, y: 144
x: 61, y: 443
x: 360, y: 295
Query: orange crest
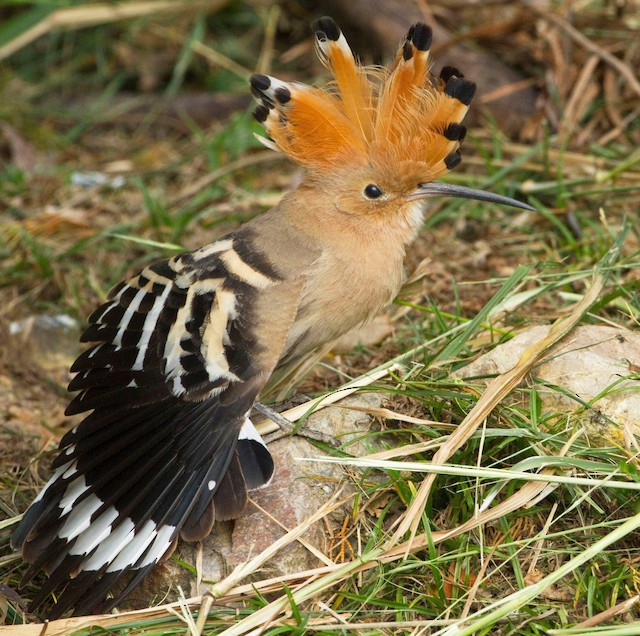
x: 369, y: 116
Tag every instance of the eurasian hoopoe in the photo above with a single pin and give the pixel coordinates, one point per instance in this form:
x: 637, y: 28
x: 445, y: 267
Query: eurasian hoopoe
x: 181, y: 351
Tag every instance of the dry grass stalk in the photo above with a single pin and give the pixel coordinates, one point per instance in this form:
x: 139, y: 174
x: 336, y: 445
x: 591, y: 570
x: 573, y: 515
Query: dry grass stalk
x: 294, y: 414
x: 245, y: 569
x: 584, y: 91
x: 321, y: 556
x: 540, y: 542
x: 588, y: 45
x: 496, y: 391
x: 203, y: 611
x: 74, y: 18
x: 388, y: 414
x: 478, y: 581
x: 265, y: 59
x: 215, y: 58
x: 507, y: 89
x: 246, y: 161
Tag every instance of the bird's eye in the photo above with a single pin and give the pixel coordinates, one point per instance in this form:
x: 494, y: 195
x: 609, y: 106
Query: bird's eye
x: 372, y: 191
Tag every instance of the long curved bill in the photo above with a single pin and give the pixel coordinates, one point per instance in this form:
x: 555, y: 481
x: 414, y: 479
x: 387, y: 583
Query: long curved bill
x: 438, y: 189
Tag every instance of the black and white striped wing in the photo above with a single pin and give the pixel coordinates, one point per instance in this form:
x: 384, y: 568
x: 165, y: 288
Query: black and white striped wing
x: 173, y: 371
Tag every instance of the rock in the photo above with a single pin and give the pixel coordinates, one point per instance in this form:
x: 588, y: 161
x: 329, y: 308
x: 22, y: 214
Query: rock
x: 596, y: 364
x: 369, y: 335
x: 53, y: 340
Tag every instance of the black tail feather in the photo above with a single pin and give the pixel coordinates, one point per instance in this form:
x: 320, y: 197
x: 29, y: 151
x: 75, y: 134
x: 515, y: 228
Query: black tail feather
x: 231, y: 498
x: 156, y: 478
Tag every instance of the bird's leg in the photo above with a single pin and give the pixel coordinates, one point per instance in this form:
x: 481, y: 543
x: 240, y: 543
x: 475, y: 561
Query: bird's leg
x: 288, y: 427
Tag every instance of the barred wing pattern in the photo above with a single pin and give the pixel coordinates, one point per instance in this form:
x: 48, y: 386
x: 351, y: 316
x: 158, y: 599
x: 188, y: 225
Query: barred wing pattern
x: 167, y: 447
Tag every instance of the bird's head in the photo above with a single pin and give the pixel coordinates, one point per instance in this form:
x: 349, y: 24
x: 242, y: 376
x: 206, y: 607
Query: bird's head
x: 377, y: 138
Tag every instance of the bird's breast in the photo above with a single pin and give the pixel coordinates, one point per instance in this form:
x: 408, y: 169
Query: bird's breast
x: 343, y: 291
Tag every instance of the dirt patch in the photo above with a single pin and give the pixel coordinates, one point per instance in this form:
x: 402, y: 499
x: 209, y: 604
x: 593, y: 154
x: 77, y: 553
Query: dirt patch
x: 31, y: 419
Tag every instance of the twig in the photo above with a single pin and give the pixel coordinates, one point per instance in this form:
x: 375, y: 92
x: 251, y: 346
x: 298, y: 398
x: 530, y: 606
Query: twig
x: 608, y: 614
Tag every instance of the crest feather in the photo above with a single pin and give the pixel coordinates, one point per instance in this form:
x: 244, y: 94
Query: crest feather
x: 307, y: 123
x: 401, y: 116
x: 352, y: 82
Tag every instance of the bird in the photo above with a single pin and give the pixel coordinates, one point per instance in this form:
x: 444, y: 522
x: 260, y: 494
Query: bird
x: 180, y: 352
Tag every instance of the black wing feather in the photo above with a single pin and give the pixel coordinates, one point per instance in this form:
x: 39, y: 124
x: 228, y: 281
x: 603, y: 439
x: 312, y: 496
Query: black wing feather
x: 168, y: 383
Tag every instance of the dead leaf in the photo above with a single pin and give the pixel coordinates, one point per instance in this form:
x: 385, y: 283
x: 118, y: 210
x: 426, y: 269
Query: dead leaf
x: 23, y: 154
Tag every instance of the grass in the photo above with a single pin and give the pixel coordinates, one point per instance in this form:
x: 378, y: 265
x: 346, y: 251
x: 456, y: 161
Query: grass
x: 528, y: 528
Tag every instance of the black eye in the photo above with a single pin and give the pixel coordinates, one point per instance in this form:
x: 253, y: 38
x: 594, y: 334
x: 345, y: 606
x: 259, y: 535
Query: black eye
x: 372, y: 191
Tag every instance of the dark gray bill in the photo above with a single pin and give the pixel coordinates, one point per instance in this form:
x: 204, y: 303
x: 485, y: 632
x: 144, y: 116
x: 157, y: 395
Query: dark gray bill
x: 436, y: 188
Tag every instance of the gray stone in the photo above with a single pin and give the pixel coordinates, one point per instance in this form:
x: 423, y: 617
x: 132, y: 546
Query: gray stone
x: 597, y: 364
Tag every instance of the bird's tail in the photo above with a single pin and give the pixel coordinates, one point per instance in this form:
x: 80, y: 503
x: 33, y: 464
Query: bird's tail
x: 114, y: 507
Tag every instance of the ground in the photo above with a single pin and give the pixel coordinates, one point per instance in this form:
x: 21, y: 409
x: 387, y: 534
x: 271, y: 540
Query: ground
x: 121, y: 143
